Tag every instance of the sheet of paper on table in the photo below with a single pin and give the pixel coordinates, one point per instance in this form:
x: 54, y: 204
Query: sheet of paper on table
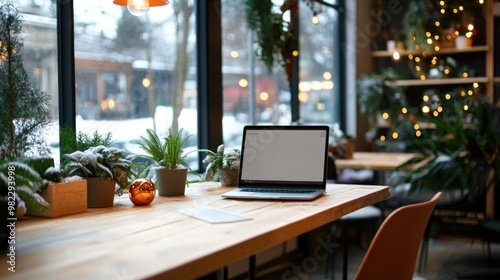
x: 213, y: 215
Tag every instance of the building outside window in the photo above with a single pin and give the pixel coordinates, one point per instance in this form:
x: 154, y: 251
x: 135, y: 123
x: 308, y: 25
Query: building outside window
x: 130, y: 71
x: 134, y: 73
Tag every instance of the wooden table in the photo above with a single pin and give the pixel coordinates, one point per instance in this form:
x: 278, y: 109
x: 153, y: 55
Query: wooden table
x: 376, y: 161
x: 158, y: 242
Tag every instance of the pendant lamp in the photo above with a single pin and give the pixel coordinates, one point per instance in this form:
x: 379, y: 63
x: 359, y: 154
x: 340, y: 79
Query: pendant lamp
x: 152, y: 3
x: 140, y: 7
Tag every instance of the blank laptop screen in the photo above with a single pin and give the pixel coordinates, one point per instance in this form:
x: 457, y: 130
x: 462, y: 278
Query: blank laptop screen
x: 281, y: 155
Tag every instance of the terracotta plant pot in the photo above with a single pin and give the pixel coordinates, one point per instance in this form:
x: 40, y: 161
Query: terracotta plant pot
x: 171, y: 182
x: 100, y: 192
x: 228, y: 177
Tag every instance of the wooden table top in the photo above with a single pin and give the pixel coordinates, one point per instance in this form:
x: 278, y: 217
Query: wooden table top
x: 377, y: 161
x: 156, y: 241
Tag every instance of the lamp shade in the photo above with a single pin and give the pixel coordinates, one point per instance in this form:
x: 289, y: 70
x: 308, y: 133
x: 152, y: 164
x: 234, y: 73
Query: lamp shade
x: 152, y: 3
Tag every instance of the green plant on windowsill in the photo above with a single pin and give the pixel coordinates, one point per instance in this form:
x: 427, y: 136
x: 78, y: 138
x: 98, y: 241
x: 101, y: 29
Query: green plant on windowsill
x: 168, y: 168
x: 101, y: 162
x: 24, y: 183
x: 463, y: 151
x: 220, y: 160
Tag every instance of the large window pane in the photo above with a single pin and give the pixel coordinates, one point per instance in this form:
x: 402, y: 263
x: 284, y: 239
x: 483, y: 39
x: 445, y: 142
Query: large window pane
x: 40, y: 57
x: 251, y: 93
x: 134, y: 73
x: 319, y: 99
x: 255, y: 95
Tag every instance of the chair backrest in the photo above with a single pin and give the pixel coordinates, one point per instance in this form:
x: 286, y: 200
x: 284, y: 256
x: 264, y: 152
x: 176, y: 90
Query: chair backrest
x: 393, y: 251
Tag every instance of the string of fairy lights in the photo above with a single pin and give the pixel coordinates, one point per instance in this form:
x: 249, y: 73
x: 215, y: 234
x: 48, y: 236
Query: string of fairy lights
x: 424, y: 62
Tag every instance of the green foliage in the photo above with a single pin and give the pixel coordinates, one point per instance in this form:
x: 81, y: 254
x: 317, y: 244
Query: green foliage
x: 166, y: 153
x: 24, y: 181
x: 275, y: 36
x: 101, y: 162
x: 376, y: 94
x: 418, y: 19
x: 26, y: 111
x: 220, y: 160
x: 81, y: 141
x: 461, y: 152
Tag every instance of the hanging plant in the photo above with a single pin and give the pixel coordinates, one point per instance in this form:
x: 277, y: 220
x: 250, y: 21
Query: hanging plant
x: 275, y: 36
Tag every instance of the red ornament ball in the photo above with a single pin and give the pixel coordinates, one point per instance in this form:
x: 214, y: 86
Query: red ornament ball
x: 142, y: 192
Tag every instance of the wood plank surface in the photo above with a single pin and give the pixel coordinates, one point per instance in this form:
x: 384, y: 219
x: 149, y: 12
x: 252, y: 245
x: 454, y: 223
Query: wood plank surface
x: 377, y: 161
x: 156, y: 241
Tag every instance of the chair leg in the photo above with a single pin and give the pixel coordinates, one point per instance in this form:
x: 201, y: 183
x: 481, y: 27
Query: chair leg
x: 225, y: 273
x: 252, y: 270
x: 488, y: 244
x: 424, y: 247
x: 344, y: 242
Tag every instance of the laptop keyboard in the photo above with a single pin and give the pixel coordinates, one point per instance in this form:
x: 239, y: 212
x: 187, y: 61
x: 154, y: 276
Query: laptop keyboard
x: 277, y: 190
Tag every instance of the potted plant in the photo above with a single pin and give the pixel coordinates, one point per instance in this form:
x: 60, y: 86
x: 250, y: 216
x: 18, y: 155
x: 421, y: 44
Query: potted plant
x: 222, y: 164
x: 20, y: 184
x: 168, y: 159
x: 461, y: 155
x: 103, y: 168
x: 64, y: 194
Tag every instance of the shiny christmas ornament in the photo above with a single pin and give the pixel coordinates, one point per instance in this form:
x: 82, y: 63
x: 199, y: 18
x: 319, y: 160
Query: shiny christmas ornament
x: 142, y: 192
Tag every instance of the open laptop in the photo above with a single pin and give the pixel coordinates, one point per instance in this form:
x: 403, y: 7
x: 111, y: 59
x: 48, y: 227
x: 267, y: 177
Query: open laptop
x: 282, y: 162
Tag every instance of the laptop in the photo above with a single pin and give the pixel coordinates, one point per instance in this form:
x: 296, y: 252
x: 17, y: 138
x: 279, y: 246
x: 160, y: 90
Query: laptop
x: 282, y: 162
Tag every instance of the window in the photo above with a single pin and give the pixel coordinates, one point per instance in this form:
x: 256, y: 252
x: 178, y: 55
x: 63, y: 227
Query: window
x: 40, y: 56
x: 134, y: 73
x: 254, y: 95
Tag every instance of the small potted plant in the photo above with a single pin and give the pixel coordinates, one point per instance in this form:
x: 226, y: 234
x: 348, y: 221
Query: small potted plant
x: 19, y: 188
x: 168, y: 157
x: 103, y: 168
x: 225, y: 165
x: 64, y: 194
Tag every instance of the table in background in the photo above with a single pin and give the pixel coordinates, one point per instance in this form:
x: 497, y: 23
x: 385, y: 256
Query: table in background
x: 157, y: 241
x: 377, y: 161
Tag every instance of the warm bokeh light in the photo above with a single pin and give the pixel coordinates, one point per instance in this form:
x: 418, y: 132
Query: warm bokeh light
x: 395, y: 135
x: 315, y: 19
x: 327, y: 76
x: 320, y: 106
x: 264, y: 96
x: 385, y: 115
x: 316, y: 85
x: 303, y: 97
x: 234, y: 54
x: 146, y: 82
x: 243, y: 83
x: 304, y: 86
x: 396, y: 56
x: 327, y: 84
x: 426, y: 109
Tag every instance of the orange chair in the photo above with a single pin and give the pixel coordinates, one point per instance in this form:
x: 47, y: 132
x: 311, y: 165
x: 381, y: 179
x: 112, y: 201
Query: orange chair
x: 394, y: 249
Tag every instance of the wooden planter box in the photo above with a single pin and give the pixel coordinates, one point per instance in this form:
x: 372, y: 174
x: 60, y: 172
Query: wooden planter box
x: 64, y: 199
